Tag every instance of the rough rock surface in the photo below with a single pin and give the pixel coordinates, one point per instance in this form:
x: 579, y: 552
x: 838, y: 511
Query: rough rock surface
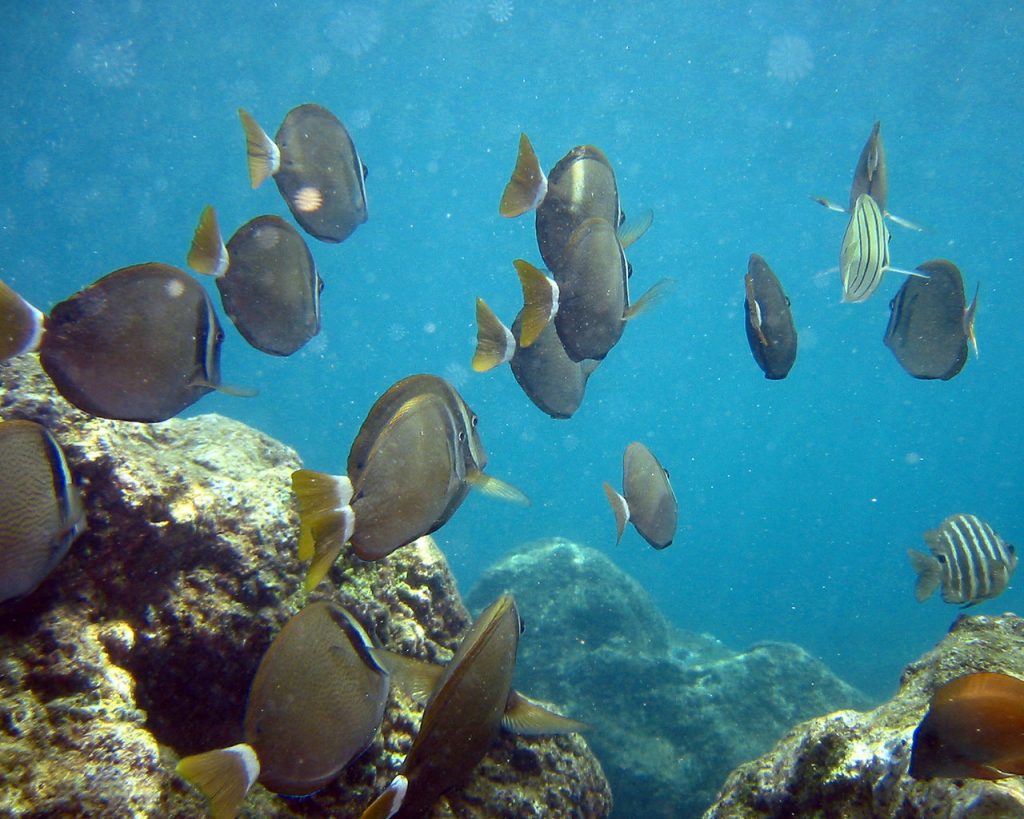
x: 852, y: 764
x: 142, y: 643
x: 672, y: 712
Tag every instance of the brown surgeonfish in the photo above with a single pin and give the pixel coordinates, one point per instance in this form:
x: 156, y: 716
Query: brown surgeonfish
x: 315, y: 704
x: 930, y: 323
x: 267, y: 280
x: 410, y: 467
x: 974, y: 728
x: 871, y: 177
x: 140, y: 344
x: 316, y: 168
x: 647, y: 500
x: 472, y: 698
x: 968, y: 559
x: 769, y: 320
x: 21, y: 324
x: 41, y: 510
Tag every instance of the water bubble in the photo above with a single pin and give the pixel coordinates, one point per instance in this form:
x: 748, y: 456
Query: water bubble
x: 789, y: 58
x: 500, y: 11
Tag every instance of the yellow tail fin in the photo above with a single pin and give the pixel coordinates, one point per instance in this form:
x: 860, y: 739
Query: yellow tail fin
x: 540, y: 301
x: 263, y: 154
x: 494, y: 342
x: 208, y: 254
x: 528, y: 718
x: 620, y: 508
x: 21, y: 325
x: 223, y: 776
x: 528, y: 185
x: 326, y: 519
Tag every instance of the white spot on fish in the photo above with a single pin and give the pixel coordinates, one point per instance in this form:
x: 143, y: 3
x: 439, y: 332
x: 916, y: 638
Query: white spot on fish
x: 308, y: 199
x: 175, y: 289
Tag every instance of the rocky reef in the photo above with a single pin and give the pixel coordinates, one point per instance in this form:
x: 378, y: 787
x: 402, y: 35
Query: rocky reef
x: 852, y: 764
x: 673, y: 712
x: 141, y: 645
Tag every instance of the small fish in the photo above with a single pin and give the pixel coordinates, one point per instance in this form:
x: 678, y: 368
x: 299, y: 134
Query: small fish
x: 968, y: 558
x: 930, y: 323
x: 593, y: 291
x: 871, y: 176
x: 410, y: 467
x: 316, y: 168
x: 140, y: 344
x: 470, y: 700
x: 315, y: 704
x: 864, y: 256
x: 647, y: 499
x: 267, y: 280
x: 21, y: 324
x: 974, y: 728
x: 551, y: 380
x: 769, y: 320
x: 41, y: 510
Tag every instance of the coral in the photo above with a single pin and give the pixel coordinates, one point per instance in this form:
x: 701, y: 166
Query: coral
x: 141, y: 645
x: 673, y: 712
x: 850, y: 764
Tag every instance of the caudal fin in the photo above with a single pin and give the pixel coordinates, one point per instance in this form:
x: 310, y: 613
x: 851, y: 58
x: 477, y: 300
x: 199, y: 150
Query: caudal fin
x: 620, y: 508
x: 326, y: 520
x: 388, y: 803
x: 529, y: 718
x: 528, y: 185
x: 208, y: 254
x: 494, y: 341
x: 929, y: 574
x: 21, y: 325
x: 263, y: 154
x: 223, y: 776
x: 540, y: 301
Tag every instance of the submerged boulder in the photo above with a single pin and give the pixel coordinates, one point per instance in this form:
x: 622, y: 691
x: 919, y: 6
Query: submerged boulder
x: 140, y: 646
x: 673, y: 712
x: 852, y: 764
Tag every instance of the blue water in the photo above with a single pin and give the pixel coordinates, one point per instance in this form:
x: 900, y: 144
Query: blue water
x: 798, y: 499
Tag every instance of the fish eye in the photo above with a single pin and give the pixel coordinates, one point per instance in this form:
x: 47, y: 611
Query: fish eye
x: 629, y: 270
x: 220, y: 336
x: 366, y: 171
x: 462, y: 436
x: 1011, y: 548
x: 941, y: 558
x: 622, y: 218
x: 320, y: 286
x: 474, y: 421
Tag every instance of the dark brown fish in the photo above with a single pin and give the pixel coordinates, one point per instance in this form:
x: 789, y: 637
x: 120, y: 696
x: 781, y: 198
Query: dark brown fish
x: 974, y: 728
x: 315, y: 704
x: 769, y: 320
x: 267, y: 280
x: 411, y: 465
x: 316, y: 168
x: 930, y: 323
x: 871, y: 176
x: 647, y: 499
x: 140, y: 344
x: 41, y: 510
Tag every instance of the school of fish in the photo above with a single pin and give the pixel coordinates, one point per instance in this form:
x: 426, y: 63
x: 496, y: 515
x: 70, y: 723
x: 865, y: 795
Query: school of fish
x: 143, y: 343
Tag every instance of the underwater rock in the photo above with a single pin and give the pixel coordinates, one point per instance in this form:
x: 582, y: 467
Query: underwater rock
x: 673, y: 712
x: 855, y: 764
x: 141, y: 645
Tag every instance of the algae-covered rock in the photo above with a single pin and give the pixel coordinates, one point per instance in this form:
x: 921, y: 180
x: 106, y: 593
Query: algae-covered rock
x: 673, y: 712
x: 141, y: 645
x: 853, y: 764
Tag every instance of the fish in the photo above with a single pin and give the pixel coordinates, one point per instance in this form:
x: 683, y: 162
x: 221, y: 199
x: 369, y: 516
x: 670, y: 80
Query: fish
x: 970, y: 561
x: 864, y: 255
x: 871, y: 177
x: 411, y: 465
x: 315, y: 704
x: 593, y: 291
x: 470, y: 700
x: 41, y: 509
x: 140, y: 344
x: 551, y: 380
x: 21, y: 324
x: 930, y: 323
x: 647, y: 500
x: 974, y: 728
x: 769, y: 320
x: 316, y: 168
x: 268, y: 282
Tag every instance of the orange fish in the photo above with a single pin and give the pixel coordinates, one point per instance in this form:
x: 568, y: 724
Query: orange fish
x: 974, y: 728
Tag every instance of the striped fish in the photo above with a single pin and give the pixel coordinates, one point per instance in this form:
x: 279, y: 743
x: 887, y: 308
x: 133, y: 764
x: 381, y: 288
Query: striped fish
x: 968, y: 558
x: 865, y: 252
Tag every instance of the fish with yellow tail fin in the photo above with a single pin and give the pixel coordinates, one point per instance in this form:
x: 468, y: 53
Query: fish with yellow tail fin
x: 864, y: 255
x: 930, y: 323
x: 647, y: 500
x: 472, y: 699
x: 267, y: 280
x: 315, y: 704
x: 551, y: 380
x: 41, y: 512
x: 871, y: 177
x: 140, y: 344
x: 21, y: 324
x: 410, y: 467
x: 316, y: 168
x: 771, y: 333
x: 974, y: 728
